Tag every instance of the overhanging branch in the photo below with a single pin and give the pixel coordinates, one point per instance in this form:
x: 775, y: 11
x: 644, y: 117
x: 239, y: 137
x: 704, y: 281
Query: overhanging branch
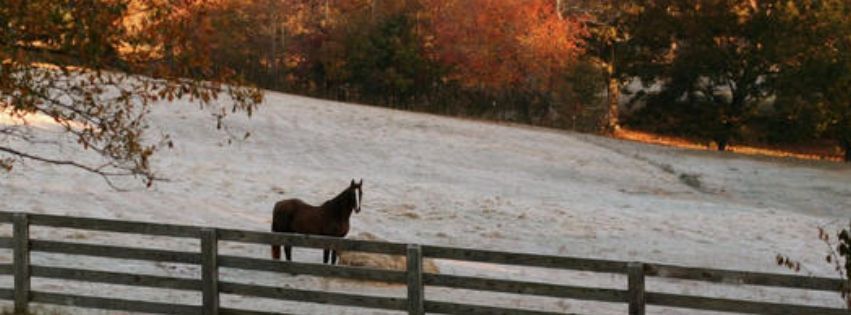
x: 106, y: 175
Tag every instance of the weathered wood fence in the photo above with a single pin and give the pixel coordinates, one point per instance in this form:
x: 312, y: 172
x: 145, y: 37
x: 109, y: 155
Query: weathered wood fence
x: 416, y: 302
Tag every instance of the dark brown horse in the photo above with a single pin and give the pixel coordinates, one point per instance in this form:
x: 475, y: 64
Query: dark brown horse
x: 329, y: 219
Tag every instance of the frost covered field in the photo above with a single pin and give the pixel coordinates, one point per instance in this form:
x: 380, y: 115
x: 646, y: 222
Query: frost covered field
x: 445, y: 181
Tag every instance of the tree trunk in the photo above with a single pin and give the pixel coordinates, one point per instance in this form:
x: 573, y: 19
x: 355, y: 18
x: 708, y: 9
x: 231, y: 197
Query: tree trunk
x: 169, y: 55
x: 722, y: 143
x: 613, y: 91
x: 732, y: 118
x: 722, y: 138
x: 559, y: 8
x: 273, y: 56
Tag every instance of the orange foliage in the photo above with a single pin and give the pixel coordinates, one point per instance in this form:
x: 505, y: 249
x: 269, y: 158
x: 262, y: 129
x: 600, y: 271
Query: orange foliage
x: 499, y: 43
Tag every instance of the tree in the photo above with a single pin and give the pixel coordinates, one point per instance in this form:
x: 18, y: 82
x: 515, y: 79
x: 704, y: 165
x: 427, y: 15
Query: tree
x: 96, y: 66
x: 580, y: 95
x: 496, y: 44
x: 386, y: 62
x: 820, y: 82
x: 508, y: 48
x: 717, y: 60
x: 605, y: 21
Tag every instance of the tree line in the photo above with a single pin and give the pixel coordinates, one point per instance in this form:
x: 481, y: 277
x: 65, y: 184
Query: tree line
x: 513, y: 60
x: 770, y: 71
x: 767, y: 71
x: 723, y: 71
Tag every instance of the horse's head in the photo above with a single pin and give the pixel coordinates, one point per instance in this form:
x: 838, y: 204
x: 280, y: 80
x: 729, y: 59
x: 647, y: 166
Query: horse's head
x: 356, y: 194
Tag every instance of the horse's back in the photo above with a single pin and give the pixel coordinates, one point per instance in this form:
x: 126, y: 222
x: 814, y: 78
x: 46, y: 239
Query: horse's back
x: 287, y: 205
x: 285, y: 212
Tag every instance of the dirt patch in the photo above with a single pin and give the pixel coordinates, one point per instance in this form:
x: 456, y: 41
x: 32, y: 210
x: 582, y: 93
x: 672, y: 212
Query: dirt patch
x: 691, y: 180
x: 278, y: 190
x: 411, y: 215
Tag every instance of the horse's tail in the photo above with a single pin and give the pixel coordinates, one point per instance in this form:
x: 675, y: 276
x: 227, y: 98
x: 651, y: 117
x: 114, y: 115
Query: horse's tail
x: 281, y: 219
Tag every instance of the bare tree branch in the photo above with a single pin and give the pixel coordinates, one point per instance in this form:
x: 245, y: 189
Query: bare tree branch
x: 99, y: 170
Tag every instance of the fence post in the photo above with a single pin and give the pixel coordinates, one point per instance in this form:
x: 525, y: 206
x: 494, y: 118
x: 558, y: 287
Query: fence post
x: 635, y: 271
x: 415, y: 280
x: 21, y: 239
x: 210, y: 271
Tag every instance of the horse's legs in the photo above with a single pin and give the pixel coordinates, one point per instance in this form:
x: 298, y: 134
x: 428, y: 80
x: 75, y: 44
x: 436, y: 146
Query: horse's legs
x: 325, y: 255
x: 288, y: 251
x: 333, y: 257
x: 276, y: 252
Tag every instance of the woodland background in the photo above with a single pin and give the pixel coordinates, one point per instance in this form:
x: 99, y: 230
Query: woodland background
x: 757, y: 72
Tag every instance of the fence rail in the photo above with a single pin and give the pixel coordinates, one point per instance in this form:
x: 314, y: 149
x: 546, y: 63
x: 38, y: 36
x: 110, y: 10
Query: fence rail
x: 416, y: 301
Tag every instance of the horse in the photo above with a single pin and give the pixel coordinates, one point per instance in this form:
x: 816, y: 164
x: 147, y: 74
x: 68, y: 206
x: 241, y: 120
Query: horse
x: 329, y: 219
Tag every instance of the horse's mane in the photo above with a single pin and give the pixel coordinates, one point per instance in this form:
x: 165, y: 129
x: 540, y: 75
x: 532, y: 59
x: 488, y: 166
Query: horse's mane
x: 337, y: 202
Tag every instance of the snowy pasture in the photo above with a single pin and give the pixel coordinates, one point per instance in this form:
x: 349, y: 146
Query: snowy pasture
x: 446, y: 181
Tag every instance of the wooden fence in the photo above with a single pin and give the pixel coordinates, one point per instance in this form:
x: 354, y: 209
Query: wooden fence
x: 416, y: 302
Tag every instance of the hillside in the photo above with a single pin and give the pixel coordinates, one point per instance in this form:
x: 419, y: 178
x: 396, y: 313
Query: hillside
x: 445, y: 181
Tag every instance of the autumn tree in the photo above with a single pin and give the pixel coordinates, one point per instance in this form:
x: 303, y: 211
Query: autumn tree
x: 405, y: 54
x: 504, y: 46
x: 95, y: 68
x: 318, y: 45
